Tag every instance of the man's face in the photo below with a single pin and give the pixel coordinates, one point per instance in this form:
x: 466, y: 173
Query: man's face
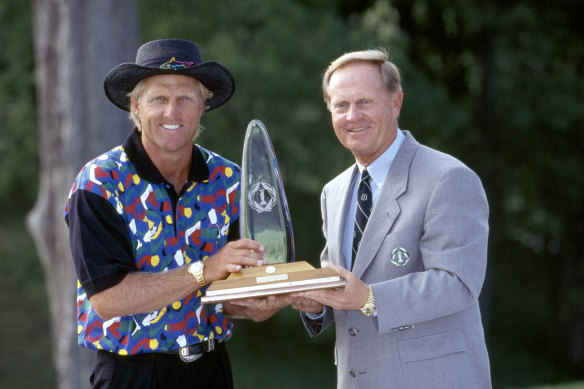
x: 169, y: 110
x: 364, y: 115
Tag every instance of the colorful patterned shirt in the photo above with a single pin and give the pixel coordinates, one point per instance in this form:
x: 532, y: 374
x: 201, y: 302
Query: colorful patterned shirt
x: 123, y: 216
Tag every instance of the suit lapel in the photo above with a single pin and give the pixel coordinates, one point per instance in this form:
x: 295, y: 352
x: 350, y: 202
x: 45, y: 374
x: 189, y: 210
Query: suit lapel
x: 342, y: 198
x: 386, y: 209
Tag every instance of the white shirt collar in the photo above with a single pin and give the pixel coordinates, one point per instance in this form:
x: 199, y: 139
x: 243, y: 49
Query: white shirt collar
x: 379, y: 168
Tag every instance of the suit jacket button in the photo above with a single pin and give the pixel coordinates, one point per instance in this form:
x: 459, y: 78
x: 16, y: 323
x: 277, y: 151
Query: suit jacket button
x: 352, y: 373
x: 353, y: 331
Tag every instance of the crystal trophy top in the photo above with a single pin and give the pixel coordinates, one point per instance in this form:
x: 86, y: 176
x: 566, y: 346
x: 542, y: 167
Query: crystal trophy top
x: 264, y: 214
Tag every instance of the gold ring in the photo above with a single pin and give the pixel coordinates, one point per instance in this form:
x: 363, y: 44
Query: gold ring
x: 260, y: 304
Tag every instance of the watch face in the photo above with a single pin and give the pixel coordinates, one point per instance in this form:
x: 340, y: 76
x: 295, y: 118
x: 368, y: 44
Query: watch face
x: 196, y: 269
x: 197, y: 266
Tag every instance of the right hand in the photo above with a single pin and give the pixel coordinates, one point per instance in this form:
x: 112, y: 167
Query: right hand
x: 232, y: 258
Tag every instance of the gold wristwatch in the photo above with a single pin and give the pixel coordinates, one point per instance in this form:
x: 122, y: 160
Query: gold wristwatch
x: 196, y: 269
x: 369, y: 308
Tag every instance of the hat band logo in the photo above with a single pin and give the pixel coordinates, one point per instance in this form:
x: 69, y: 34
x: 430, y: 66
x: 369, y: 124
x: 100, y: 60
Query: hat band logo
x: 173, y: 64
x: 262, y: 197
x: 400, y: 256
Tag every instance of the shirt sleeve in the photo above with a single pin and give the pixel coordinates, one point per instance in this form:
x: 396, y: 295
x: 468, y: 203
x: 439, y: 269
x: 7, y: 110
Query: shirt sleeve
x: 317, y: 316
x: 100, y: 245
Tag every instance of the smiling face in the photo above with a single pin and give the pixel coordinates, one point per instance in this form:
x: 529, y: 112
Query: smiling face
x: 364, y: 114
x: 169, y: 109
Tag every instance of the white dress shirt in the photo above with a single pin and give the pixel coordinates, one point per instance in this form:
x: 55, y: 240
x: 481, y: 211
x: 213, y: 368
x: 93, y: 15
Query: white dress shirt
x: 378, y: 170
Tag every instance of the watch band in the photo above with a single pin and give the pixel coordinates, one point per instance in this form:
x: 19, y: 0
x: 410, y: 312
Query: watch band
x: 196, y: 271
x: 369, y: 308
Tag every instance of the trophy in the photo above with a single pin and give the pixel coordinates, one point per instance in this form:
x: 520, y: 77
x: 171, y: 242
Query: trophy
x: 264, y: 215
x: 265, y: 218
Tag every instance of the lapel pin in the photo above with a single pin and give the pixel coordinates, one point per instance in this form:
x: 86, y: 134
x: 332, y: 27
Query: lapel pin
x: 400, y: 256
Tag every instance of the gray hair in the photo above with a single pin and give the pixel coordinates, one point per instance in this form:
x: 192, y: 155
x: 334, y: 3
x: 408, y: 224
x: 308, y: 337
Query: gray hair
x: 389, y: 72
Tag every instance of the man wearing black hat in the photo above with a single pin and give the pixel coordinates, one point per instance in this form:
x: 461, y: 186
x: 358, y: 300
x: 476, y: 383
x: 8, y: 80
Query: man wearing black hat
x: 154, y: 221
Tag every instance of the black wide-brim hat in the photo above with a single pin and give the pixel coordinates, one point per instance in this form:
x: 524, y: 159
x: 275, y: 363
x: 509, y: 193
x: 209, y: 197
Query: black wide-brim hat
x: 169, y: 56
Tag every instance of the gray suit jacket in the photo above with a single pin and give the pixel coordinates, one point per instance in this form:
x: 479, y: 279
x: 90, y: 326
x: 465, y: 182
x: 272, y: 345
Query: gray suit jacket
x: 424, y: 251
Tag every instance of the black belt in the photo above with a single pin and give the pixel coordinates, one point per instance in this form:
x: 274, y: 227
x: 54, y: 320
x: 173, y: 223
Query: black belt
x: 196, y: 351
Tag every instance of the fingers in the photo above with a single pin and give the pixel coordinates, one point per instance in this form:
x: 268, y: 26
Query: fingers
x: 307, y: 305
x: 322, y: 296
x: 233, y: 257
x: 346, y: 274
x: 245, y: 243
x: 278, y: 302
x: 259, y: 309
x: 245, y: 252
x: 349, y: 297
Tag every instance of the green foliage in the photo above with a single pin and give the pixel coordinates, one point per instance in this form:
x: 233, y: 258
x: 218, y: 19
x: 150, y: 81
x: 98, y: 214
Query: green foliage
x: 18, y: 144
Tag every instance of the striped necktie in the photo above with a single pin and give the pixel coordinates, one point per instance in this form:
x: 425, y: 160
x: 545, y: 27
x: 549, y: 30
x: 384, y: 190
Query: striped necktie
x: 362, y: 212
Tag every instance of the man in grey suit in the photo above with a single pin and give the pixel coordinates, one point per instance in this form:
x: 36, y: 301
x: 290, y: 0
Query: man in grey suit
x: 414, y: 257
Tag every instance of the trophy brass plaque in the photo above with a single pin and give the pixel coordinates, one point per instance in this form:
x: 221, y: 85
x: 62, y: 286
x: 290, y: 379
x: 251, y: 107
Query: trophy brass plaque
x: 265, y: 218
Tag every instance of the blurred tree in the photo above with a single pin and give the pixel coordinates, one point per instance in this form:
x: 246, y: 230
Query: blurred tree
x: 539, y: 88
x: 18, y: 148
x: 75, y: 44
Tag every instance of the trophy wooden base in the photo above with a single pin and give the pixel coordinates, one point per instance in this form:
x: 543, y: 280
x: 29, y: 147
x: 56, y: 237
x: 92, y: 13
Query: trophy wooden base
x: 270, y: 280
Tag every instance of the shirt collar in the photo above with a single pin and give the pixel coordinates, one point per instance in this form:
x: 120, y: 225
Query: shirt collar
x: 146, y: 169
x: 379, y: 168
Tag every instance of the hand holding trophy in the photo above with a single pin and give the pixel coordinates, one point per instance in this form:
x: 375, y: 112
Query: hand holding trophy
x: 265, y: 218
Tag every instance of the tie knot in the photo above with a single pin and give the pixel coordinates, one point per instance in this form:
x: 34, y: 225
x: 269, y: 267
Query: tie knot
x: 365, y: 176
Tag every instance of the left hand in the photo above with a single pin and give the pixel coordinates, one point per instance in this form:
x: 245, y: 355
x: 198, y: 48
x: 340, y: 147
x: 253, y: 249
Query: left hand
x: 256, y: 309
x: 351, y: 297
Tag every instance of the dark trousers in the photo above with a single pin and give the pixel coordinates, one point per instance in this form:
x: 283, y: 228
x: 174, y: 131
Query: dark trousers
x: 162, y: 371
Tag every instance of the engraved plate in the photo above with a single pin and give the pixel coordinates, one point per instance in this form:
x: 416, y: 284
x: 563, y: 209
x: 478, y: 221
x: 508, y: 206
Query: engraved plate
x: 277, y: 277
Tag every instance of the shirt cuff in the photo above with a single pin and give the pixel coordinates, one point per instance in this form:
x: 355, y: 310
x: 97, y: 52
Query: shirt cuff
x: 316, y: 316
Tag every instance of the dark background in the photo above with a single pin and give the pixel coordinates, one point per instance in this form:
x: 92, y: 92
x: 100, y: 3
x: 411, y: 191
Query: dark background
x: 497, y: 84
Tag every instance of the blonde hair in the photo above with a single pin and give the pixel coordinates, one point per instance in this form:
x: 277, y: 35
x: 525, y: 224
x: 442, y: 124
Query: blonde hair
x: 390, y: 76
x: 136, y: 93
